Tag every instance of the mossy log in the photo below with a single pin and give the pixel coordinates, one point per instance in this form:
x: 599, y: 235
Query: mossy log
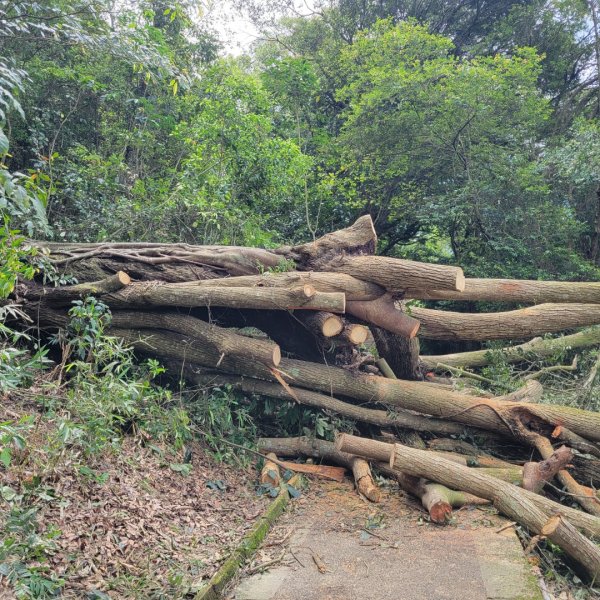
x: 247, y: 547
x: 535, y: 348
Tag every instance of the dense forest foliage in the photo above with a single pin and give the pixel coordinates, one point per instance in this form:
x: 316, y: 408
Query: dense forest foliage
x: 468, y: 130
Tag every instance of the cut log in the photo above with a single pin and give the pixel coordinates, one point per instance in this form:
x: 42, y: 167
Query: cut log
x: 175, y: 336
x: 64, y: 295
x: 364, y: 480
x: 304, y: 446
x: 224, y: 341
x: 516, y: 291
x: 327, y: 472
x: 383, y: 313
x: 536, y: 474
x: 304, y: 297
x: 515, y: 324
x: 321, y: 324
x: 351, y: 335
x: 395, y: 274
x: 354, y: 289
x: 588, y: 524
x: 515, y: 503
x: 269, y: 474
x: 537, y: 347
x: 437, y: 499
x: 184, y: 350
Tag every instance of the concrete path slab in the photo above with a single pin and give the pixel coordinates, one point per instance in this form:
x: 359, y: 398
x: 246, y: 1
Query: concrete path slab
x: 387, y: 551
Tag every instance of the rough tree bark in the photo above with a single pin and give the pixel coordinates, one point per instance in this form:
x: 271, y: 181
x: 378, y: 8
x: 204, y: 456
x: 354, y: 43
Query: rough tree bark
x: 401, y: 353
x: 515, y: 324
x: 395, y: 274
x: 515, y: 291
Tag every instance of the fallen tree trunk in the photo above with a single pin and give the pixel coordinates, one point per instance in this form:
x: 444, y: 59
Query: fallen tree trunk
x: 321, y: 324
x: 437, y: 499
x: 383, y: 313
x: 151, y: 261
x: 354, y: 289
x: 486, y: 413
x: 515, y: 324
x: 310, y: 447
x: 175, y: 336
x: 537, y: 347
x: 64, y: 295
x: 305, y: 297
x: 396, y: 274
x: 185, y: 262
x: 224, y: 341
x: 382, y: 418
x: 516, y: 291
x: 167, y: 345
x: 515, y: 503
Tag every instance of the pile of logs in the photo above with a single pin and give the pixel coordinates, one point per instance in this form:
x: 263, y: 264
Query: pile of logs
x: 330, y: 325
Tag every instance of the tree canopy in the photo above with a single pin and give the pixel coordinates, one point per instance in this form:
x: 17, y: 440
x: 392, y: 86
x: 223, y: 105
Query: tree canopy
x: 469, y: 131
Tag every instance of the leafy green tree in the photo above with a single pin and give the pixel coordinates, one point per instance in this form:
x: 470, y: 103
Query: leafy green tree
x: 574, y: 170
x: 241, y: 181
x: 434, y: 142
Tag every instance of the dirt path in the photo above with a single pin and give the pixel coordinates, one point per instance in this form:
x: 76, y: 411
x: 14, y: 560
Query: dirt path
x: 332, y: 545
